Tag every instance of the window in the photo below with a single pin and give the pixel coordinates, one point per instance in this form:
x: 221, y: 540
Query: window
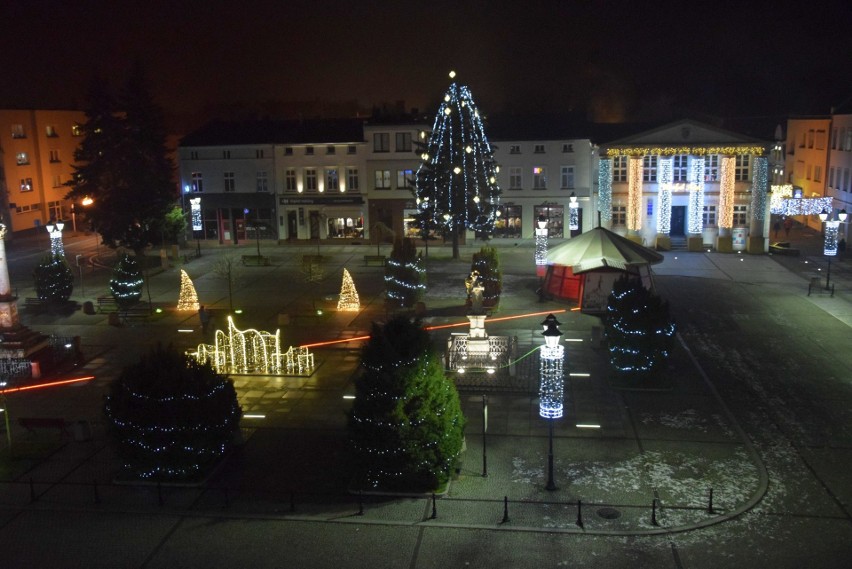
x: 567, y: 148
x: 741, y: 167
x: 539, y: 177
x: 567, y: 178
x: 555, y: 216
x: 330, y: 149
x: 26, y: 208
x: 76, y: 130
x: 381, y: 142
x: 18, y: 131
x: 508, y: 223
x: 26, y: 184
x: 845, y: 179
x: 22, y: 158
x: 802, y: 140
x: 50, y: 131
x: 288, y: 151
x: 54, y: 155
x: 332, y: 180
x: 383, y: 180
x: 808, y: 174
x: 262, y: 181
x: 709, y: 215
x: 258, y: 153
x: 820, y: 140
x: 831, y: 177
x: 197, y: 182
x: 619, y: 169
x: 619, y: 215
x: 226, y: 154
x: 309, y: 151
x: 290, y: 180
x: 711, y: 167
x: 539, y: 149
x: 817, y: 173
x: 54, y: 209
x: 403, y: 178
x: 649, y: 169
x: 403, y: 142
x: 350, y: 149
x: 515, y: 149
x: 193, y: 155
x: 352, y: 179
x: 679, y: 167
x: 740, y: 215
x: 848, y: 143
x: 310, y: 179
x: 57, y: 181
x: 834, y: 139
x: 516, y: 178
x: 811, y: 138
x: 230, y: 182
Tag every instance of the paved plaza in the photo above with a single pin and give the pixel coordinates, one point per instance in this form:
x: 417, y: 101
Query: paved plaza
x: 740, y: 457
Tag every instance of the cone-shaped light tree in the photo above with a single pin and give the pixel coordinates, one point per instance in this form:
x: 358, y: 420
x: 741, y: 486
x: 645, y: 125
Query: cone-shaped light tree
x: 348, y: 301
x: 456, y: 183
x: 188, y: 298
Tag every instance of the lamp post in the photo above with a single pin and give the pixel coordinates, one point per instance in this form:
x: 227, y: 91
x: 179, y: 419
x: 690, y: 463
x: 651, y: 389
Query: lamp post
x: 829, y: 248
x: 551, y: 386
x: 541, y: 253
x: 55, y: 232
x: 573, y: 213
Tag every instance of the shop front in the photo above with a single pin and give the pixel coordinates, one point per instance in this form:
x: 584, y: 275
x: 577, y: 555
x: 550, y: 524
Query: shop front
x: 232, y: 218
x: 311, y: 218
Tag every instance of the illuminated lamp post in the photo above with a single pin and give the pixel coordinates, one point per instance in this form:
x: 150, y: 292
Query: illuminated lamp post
x: 573, y: 213
x: 55, y: 231
x: 541, y: 241
x: 551, y: 387
x: 829, y: 249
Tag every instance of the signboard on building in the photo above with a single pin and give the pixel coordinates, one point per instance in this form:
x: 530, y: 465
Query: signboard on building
x: 739, y: 234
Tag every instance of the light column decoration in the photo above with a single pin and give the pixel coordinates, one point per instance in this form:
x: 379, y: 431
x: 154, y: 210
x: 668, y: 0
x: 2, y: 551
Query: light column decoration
x: 605, y: 191
x: 552, y: 385
x: 832, y: 229
x: 665, y: 177
x: 541, y: 241
x: 759, y: 223
x: 695, y: 181
x: 55, y: 231
x: 726, y: 194
x: 8, y: 303
x: 573, y: 213
x: 634, y: 193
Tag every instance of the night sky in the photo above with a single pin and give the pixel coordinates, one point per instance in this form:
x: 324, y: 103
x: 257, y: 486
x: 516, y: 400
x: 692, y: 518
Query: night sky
x: 610, y: 60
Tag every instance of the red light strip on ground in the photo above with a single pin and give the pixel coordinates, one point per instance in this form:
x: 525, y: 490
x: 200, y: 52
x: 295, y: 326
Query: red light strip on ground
x: 49, y: 384
x: 442, y: 326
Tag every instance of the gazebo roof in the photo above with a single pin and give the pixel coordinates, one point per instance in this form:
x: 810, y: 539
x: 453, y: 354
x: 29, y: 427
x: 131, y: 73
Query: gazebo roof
x: 601, y: 248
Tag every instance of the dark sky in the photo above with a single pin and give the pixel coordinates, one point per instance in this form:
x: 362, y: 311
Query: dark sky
x: 612, y: 59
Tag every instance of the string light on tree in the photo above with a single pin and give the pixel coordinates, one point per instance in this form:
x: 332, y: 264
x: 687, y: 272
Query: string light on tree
x: 605, y: 189
x: 348, y: 301
x: 187, y: 298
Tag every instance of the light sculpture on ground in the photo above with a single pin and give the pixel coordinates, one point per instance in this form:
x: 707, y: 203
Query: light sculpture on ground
x: 348, y: 301
x: 188, y: 298
x: 573, y: 213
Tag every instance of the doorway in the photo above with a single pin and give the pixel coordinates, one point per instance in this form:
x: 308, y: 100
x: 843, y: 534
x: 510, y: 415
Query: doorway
x: 292, y: 226
x: 678, y: 220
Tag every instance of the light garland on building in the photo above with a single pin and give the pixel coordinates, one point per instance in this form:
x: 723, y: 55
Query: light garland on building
x: 665, y: 176
x: 760, y: 185
x: 779, y: 194
x: 605, y: 189
x: 634, y: 194
x: 727, y: 181
x: 349, y: 301
x: 690, y: 150
x: 806, y: 206
x: 187, y: 298
x: 695, y: 176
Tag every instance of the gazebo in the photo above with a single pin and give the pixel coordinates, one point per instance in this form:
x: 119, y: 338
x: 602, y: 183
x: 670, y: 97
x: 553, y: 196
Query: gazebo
x: 584, y: 268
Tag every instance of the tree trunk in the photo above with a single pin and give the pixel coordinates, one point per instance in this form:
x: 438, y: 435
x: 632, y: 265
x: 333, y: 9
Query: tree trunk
x: 456, y: 242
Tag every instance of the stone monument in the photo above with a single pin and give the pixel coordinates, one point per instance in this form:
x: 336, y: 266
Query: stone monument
x: 16, y: 340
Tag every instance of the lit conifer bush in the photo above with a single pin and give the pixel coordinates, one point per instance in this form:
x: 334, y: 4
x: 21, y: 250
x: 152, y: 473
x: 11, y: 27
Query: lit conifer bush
x: 405, y: 276
x: 54, y: 280
x: 126, y: 283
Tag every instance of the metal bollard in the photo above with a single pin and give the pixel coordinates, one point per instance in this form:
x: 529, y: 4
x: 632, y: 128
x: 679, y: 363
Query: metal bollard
x: 360, y: 503
x: 579, y: 513
x: 710, y: 503
x: 434, y: 508
x: 654, y: 513
x: 505, y: 510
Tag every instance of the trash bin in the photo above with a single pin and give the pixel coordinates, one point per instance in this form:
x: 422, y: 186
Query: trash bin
x: 88, y: 307
x: 82, y: 431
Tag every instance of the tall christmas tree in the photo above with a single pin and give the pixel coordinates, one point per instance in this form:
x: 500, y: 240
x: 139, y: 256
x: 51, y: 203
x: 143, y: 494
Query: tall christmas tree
x: 53, y: 279
x: 405, y: 277
x: 188, y: 298
x: 348, y: 301
x: 126, y: 282
x: 639, y: 329
x: 406, y: 424
x: 456, y: 183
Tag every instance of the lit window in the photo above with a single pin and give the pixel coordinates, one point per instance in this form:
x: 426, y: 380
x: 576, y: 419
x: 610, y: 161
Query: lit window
x: 539, y: 177
x: 22, y: 158
x: 18, y: 131
x: 332, y: 180
x: 197, y: 182
x: 26, y: 184
x: 679, y: 168
x: 383, y: 179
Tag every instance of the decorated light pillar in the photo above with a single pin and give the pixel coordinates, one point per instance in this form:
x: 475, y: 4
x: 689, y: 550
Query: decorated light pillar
x: 8, y: 303
x: 665, y: 178
x: 605, y: 192
x: 759, y: 223
x: 552, y: 386
x: 725, y: 214
x: 634, y: 194
x: 57, y: 249
x: 695, y: 210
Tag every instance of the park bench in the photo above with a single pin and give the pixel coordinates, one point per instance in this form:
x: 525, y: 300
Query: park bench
x: 107, y: 304
x: 35, y: 303
x: 375, y: 260
x: 255, y: 260
x: 33, y: 423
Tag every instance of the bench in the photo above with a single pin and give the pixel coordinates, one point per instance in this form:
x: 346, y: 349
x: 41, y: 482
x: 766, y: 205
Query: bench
x: 136, y: 313
x: 374, y: 259
x: 255, y: 260
x: 107, y: 304
x: 35, y: 303
x: 33, y: 423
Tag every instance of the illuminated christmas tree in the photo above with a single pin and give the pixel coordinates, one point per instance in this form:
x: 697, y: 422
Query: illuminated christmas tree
x: 456, y: 183
x: 126, y: 283
x: 348, y: 301
x: 188, y: 299
x: 53, y: 279
x: 639, y: 330
x: 405, y: 276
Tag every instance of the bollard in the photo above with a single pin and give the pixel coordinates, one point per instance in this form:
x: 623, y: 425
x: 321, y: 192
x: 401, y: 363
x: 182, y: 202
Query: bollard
x: 579, y: 513
x: 654, y: 513
x: 360, y: 503
x: 32, y: 492
x: 95, y: 489
x: 505, y: 510
x: 160, y: 493
x: 710, y: 503
x: 434, y: 508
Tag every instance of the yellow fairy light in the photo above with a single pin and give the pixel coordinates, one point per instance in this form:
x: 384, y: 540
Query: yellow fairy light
x: 726, y: 191
x: 634, y: 194
x: 349, y: 301
x: 188, y: 298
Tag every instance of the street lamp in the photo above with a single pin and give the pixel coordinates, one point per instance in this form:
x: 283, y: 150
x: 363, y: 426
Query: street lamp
x: 541, y: 241
x: 829, y: 248
x: 55, y: 231
x: 551, y: 386
x: 573, y: 213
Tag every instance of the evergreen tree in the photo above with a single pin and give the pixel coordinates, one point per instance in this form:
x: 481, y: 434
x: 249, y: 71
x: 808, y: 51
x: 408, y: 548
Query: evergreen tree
x: 124, y: 166
x: 487, y: 264
x: 54, y: 280
x: 170, y: 417
x: 639, y: 329
x: 405, y: 276
x: 126, y: 282
x: 406, y: 424
x: 456, y: 183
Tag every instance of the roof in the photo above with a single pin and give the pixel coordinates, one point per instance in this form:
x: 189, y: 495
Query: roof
x: 601, y: 248
x: 314, y: 131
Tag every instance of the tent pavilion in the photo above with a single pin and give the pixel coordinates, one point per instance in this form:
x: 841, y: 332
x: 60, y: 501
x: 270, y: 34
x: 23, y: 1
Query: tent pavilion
x: 584, y: 268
